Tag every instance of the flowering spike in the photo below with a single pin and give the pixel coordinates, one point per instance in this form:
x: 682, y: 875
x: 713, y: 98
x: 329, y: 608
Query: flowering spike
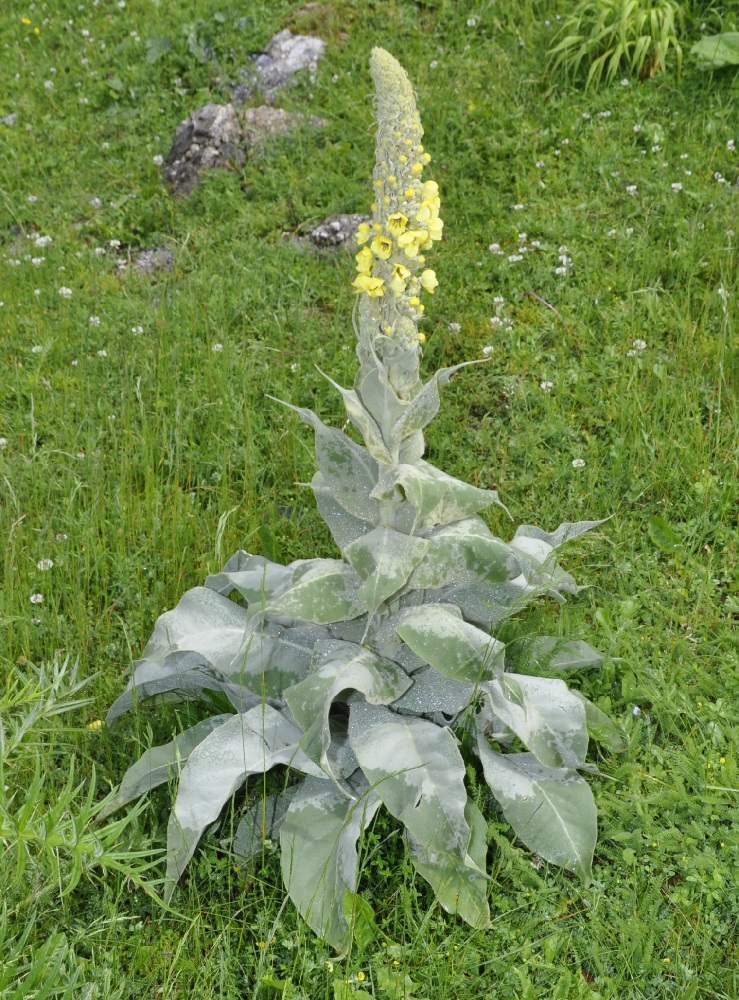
x: 405, y: 222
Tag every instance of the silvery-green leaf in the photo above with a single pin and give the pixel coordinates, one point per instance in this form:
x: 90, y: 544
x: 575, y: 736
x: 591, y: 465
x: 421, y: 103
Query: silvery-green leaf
x: 340, y: 666
x: 451, y: 645
x: 601, y: 728
x: 203, y: 622
x: 460, y: 883
x: 384, y: 559
x: 262, y: 822
x: 550, y: 809
x: 438, y: 498
x: 184, y: 685
x: 326, y: 592
x: 344, y: 527
x: 549, y: 652
x: 425, y: 404
x: 418, y: 772
x: 545, y: 715
x: 249, y: 743
x: 158, y: 764
x: 363, y: 421
x: 432, y: 693
x: 349, y: 471
x: 486, y: 604
x: 464, y: 552
x: 319, y: 837
x: 564, y: 533
x: 380, y: 400
x: 255, y: 577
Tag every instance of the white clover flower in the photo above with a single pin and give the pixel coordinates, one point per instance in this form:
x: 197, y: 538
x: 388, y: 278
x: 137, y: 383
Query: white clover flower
x: 683, y: 156
x: 498, y: 300
x: 518, y: 207
x: 66, y: 293
x: 61, y: 536
x: 157, y: 160
x: 625, y: 82
x: 688, y: 173
x: 84, y: 100
x: 455, y: 327
x: 33, y: 198
x: 99, y: 251
x: 37, y: 598
x: 611, y: 233
x: 137, y: 330
x: 36, y: 291
x: 94, y: 321
x: 43, y: 241
x: 629, y: 230
x: 294, y: 366
x: 561, y: 271
x: 515, y: 257
x: 3, y: 443
x: 44, y: 564
x: 37, y: 261
x: 636, y: 710
x: 471, y: 22
x: 115, y: 244
x: 640, y: 345
x: 49, y: 84
x: 731, y: 145
x: 540, y: 164
x: 488, y: 350
x: 656, y: 148
x: 217, y: 348
x: 102, y: 353
x: 535, y: 244
x: 546, y: 385
x: 631, y: 354
x: 585, y: 115
x: 578, y: 463
x: 36, y: 349
x: 637, y: 128
x: 677, y: 186
x: 496, y: 249
x: 719, y: 177
x: 74, y: 363
x: 631, y: 189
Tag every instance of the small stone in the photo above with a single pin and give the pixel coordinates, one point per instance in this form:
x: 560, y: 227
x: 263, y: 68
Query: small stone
x: 211, y: 137
x: 285, y: 55
x: 336, y: 231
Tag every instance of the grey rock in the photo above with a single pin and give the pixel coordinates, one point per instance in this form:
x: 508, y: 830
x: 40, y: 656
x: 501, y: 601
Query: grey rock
x: 150, y: 259
x: 337, y: 231
x: 9, y: 119
x: 210, y: 137
x: 285, y: 55
x: 264, y: 123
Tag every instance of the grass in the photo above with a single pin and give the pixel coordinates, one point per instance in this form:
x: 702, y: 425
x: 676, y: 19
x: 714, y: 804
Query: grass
x: 138, y: 470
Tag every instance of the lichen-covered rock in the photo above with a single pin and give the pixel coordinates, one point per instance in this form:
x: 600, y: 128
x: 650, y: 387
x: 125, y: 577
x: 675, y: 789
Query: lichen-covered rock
x: 150, y: 259
x: 263, y: 123
x: 212, y: 136
x: 337, y: 231
x: 285, y: 55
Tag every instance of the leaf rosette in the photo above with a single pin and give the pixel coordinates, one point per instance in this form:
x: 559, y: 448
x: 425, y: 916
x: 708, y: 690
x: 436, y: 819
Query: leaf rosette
x: 359, y: 677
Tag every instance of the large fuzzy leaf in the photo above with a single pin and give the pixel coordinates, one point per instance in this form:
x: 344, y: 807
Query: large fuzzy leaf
x: 566, y: 532
x: 601, y: 728
x: 325, y: 592
x: 380, y: 400
x: 439, y: 498
x: 158, y: 764
x: 254, y: 577
x: 384, y: 559
x: 449, y: 644
x: 340, y: 666
x: 262, y: 821
x: 425, y: 404
x: 548, y: 652
x: 418, y: 772
x: 486, y: 604
x: 551, y: 809
x: 193, y: 683
x: 434, y: 694
x: 319, y: 837
x: 250, y: 743
x: 545, y: 715
x: 364, y: 422
x: 464, y: 552
x: 344, y: 527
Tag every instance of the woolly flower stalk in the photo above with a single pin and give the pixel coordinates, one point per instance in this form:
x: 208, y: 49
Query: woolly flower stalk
x: 391, y: 263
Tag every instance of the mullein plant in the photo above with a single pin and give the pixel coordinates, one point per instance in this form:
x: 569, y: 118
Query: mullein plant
x: 375, y: 680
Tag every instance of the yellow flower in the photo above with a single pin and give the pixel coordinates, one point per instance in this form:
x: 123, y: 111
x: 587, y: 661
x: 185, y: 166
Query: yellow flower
x: 396, y: 223
x: 363, y: 233
x: 372, y: 286
x: 428, y: 280
x: 430, y: 190
x: 360, y: 977
x: 421, y: 340
x: 417, y: 168
x: 435, y: 227
x: 414, y: 300
x: 364, y: 260
x: 95, y: 724
x: 25, y: 20
x: 411, y: 241
x: 37, y: 31
x: 400, y: 275
x: 382, y: 247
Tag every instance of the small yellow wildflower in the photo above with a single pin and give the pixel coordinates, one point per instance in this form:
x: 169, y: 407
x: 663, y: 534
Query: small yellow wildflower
x: 382, y: 247
x: 429, y: 280
x: 397, y: 223
x: 421, y: 338
x: 25, y: 20
x: 95, y: 724
x: 364, y: 260
x: 363, y: 233
x: 374, y: 287
x: 401, y: 274
x: 361, y: 977
x: 722, y: 760
x: 37, y: 31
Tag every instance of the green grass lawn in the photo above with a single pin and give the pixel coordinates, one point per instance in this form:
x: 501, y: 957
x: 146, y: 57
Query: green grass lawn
x: 590, y: 253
